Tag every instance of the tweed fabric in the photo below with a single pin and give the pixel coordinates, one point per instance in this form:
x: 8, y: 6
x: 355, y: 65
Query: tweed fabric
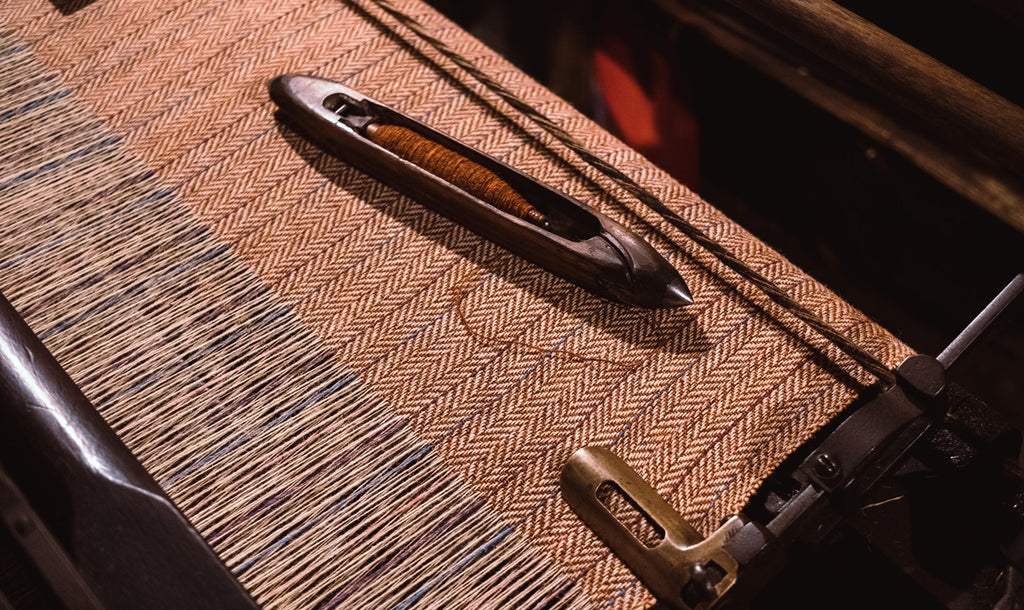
x: 444, y: 326
x: 311, y: 490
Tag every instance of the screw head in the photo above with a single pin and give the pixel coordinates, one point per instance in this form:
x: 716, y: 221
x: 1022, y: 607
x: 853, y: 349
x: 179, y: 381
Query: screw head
x: 826, y: 467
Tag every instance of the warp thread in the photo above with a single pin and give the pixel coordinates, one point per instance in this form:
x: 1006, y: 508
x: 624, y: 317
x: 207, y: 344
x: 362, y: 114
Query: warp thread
x: 312, y: 491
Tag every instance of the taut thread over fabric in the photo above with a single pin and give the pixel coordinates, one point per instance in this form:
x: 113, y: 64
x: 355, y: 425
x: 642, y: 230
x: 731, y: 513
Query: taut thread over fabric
x: 865, y: 359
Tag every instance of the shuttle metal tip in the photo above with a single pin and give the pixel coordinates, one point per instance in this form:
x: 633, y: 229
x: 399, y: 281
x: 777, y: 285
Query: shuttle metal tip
x: 676, y: 294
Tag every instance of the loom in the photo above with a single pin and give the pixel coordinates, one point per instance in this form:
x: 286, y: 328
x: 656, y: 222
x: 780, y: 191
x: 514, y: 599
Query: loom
x: 337, y: 397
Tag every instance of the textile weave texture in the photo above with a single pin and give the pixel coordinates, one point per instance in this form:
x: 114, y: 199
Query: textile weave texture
x: 500, y: 368
x: 297, y: 476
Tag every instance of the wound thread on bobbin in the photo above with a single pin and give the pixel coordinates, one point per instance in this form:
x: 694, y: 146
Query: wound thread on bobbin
x: 471, y: 177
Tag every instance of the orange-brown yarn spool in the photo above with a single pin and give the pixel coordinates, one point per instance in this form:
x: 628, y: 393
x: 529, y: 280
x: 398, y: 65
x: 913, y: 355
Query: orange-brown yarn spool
x: 453, y: 167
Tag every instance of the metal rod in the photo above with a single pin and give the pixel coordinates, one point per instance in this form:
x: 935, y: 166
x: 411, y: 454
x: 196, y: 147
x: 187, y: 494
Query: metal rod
x: 981, y: 323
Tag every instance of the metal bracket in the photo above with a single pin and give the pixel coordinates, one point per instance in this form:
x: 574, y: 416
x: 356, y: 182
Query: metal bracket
x: 681, y: 568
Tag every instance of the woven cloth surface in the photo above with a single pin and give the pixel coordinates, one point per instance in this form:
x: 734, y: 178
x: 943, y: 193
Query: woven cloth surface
x: 503, y: 369
x: 312, y: 492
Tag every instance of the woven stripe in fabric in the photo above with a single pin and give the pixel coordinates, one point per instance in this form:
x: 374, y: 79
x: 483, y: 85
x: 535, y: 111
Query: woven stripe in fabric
x: 313, y: 493
x: 703, y: 401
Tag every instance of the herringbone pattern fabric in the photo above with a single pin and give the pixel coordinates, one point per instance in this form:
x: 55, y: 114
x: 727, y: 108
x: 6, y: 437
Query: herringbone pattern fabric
x: 703, y: 401
x: 312, y: 492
